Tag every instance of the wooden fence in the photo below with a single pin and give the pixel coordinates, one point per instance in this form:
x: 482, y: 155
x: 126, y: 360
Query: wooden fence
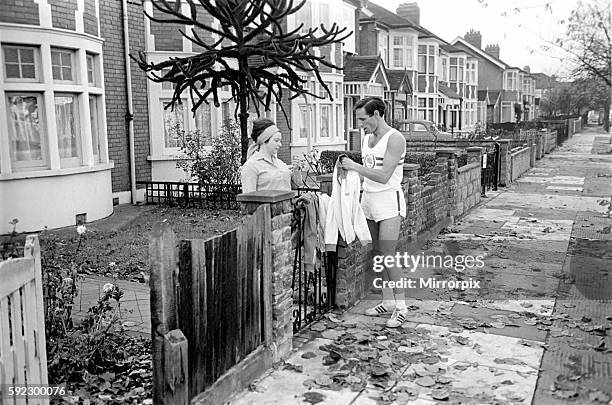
x: 23, y: 352
x: 211, y: 313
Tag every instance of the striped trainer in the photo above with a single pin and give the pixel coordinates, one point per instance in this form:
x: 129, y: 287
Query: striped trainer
x: 378, y: 310
x: 397, y: 318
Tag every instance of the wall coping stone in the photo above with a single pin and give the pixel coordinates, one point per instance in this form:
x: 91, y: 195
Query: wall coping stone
x: 410, y: 166
x: 266, y: 196
x: 475, y: 149
x: 468, y: 167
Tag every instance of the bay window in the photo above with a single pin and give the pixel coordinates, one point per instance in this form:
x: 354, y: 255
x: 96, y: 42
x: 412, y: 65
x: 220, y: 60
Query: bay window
x: 54, y: 113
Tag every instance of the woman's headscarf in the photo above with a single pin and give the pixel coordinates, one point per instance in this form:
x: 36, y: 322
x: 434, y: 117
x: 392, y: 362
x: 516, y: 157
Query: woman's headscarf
x: 265, y: 136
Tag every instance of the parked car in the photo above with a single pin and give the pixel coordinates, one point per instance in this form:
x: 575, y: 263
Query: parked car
x: 422, y: 130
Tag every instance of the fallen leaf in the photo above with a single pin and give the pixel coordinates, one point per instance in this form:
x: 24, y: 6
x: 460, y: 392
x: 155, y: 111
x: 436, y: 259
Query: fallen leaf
x: 318, y: 327
x: 323, y: 380
x: 298, y: 368
x: 309, y: 355
x: 510, y: 361
x: 313, y: 397
x: 426, y: 381
x: 440, y: 394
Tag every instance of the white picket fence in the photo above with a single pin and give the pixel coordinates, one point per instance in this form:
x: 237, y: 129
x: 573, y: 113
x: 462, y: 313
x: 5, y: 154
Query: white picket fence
x: 23, y: 352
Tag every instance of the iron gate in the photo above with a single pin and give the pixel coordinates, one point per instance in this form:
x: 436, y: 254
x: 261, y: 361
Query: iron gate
x: 489, y: 175
x: 314, y: 287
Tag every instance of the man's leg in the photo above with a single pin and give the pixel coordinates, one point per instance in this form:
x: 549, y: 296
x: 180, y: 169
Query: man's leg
x: 388, y: 234
x: 388, y: 298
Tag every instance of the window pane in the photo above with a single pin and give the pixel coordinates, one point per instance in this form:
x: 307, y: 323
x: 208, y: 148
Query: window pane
x: 398, y: 41
x: 304, y: 121
x: 95, y: 135
x: 398, y: 57
x: 421, y: 102
x: 430, y: 68
x: 67, y: 73
x: 422, y: 49
x: 204, y: 124
x: 90, y: 69
x: 431, y: 49
x: 55, y: 58
x: 11, y: 55
x: 422, y: 63
x: 57, y: 73
x: 66, y: 59
x: 24, y: 128
x: 67, y: 138
x: 174, y: 124
x: 325, y: 121
x: 419, y: 127
x: 12, y: 71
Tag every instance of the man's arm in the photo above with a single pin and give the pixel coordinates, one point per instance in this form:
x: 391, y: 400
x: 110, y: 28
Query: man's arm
x: 396, y: 146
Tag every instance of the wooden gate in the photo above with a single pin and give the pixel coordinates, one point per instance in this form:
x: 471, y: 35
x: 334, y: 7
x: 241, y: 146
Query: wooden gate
x: 210, y: 311
x: 23, y: 352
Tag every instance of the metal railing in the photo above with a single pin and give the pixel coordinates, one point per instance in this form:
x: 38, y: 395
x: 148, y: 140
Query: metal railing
x: 313, y: 284
x: 192, y: 195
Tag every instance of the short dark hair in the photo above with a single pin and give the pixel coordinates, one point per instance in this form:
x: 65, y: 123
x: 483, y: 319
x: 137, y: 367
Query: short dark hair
x: 259, y: 126
x: 372, y: 104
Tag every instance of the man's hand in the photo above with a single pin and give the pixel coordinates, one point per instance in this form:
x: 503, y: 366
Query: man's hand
x: 347, y: 164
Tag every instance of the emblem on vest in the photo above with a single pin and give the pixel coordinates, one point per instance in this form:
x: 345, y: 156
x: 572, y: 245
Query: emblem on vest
x: 369, y: 161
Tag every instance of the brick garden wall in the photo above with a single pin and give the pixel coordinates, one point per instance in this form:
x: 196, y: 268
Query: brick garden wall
x: 520, y: 162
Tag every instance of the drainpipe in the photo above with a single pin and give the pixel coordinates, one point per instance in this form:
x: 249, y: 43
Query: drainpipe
x: 130, y: 108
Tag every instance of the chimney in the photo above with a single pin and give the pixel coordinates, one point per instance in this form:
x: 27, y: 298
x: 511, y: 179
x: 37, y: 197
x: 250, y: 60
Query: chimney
x: 474, y: 38
x: 527, y: 69
x: 410, y: 11
x: 493, y: 50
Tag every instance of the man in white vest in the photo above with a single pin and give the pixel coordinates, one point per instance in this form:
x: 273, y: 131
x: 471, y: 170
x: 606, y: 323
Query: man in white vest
x: 383, y: 150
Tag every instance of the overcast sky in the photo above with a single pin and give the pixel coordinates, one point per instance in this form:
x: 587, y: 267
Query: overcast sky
x: 517, y: 33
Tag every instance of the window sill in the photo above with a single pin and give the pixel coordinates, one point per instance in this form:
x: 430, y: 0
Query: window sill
x: 57, y: 172
x: 161, y: 158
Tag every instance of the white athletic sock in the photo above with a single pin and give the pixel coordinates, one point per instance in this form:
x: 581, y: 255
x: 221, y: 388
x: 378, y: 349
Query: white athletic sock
x: 388, y: 298
x: 400, y: 301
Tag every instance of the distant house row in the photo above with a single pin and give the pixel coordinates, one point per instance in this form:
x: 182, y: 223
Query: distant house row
x: 82, y: 125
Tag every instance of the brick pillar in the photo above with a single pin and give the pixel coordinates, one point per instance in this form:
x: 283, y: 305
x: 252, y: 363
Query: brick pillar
x: 282, y: 264
x: 411, y: 185
x: 450, y: 157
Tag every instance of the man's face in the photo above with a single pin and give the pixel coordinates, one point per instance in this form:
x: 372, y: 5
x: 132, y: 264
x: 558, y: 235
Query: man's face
x: 369, y: 123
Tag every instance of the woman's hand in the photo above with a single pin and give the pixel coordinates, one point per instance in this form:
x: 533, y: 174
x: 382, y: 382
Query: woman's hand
x: 347, y: 164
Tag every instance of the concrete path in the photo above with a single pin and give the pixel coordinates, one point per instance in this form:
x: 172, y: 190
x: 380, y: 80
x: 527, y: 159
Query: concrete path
x: 536, y: 332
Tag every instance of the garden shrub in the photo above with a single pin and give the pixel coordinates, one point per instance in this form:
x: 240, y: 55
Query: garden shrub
x: 95, y: 358
x: 462, y: 160
x: 217, y: 165
x: 328, y: 158
x: 425, y: 160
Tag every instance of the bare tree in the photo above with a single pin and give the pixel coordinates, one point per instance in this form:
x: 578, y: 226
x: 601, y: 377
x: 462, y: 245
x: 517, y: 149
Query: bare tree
x: 255, y: 55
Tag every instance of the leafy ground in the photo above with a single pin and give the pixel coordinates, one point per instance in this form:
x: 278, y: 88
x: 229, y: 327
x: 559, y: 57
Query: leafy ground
x: 127, y: 246
x: 95, y: 358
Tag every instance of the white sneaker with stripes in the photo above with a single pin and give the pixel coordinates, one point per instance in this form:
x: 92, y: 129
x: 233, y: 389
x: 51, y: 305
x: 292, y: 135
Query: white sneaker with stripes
x: 378, y: 310
x: 397, y: 318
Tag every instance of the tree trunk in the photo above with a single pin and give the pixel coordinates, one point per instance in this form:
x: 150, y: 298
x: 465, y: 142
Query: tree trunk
x: 244, y: 116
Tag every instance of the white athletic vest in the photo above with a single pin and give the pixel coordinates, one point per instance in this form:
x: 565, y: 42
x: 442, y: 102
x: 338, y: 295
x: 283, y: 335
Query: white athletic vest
x: 373, y: 158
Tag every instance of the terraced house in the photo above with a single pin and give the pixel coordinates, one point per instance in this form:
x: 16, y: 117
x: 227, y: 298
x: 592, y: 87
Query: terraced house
x: 84, y: 125
x: 505, y: 92
x: 428, y: 78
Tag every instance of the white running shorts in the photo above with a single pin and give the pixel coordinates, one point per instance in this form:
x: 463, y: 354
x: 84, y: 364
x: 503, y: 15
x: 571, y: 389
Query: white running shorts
x: 383, y: 204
